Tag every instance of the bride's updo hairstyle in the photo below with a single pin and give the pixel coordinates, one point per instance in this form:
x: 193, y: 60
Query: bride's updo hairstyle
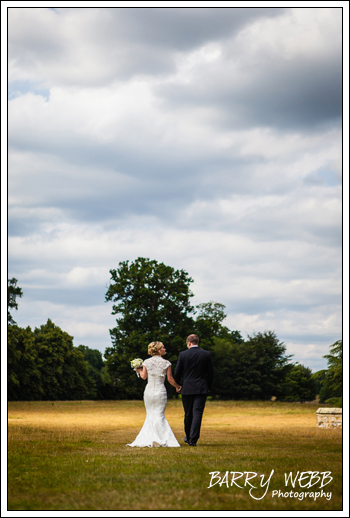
x: 153, y: 348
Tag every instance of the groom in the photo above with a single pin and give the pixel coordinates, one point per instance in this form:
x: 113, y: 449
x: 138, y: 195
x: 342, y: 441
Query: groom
x: 195, y: 369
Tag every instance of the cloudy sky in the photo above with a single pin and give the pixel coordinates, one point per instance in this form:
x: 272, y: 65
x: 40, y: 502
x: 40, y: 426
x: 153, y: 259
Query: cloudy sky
x: 209, y: 139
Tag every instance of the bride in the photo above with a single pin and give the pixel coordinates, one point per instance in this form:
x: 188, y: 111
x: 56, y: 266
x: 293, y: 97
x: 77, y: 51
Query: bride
x: 156, y: 430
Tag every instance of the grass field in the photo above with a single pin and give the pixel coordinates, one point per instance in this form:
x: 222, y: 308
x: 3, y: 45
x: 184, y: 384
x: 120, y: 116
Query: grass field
x: 72, y: 455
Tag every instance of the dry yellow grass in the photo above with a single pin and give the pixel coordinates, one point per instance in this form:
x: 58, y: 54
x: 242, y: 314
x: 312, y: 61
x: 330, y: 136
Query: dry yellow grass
x: 73, y: 456
x: 113, y: 415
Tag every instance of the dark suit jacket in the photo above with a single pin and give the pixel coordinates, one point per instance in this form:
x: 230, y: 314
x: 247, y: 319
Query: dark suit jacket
x: 195, y: 368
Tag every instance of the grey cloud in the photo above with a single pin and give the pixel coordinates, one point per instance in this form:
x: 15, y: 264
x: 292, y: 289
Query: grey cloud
x: 20, y: 226
x: 279, y: 221
x: 304, y: 95
x: 91, y: 193
x: 289, y: 95
x: 97, y: 182
x: 274, y: 227
x: 186, y: 28
x: 165, y: 189
x: 120, y: 42
x: 271, y: 304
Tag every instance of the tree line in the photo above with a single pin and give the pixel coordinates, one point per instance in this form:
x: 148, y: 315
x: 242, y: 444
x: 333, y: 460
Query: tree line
x: 151, y: 301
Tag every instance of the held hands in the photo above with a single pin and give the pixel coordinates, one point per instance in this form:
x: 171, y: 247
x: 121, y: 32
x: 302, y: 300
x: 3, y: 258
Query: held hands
x: 178, y: 390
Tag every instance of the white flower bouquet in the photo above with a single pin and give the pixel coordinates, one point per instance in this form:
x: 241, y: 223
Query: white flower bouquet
x: 136, y: 363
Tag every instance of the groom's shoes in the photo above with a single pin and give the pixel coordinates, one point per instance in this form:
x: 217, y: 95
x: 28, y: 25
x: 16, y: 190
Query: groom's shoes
x: 189, y: 443
x: 185, y: 439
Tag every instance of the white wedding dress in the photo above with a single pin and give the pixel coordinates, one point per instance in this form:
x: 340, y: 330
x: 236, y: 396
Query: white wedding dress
x: 156, y: 430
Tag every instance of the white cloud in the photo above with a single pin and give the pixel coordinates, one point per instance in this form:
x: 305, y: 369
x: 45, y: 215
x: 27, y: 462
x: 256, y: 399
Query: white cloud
x: 88, y: 325
x: 298, y: 34
x: 230, y: 269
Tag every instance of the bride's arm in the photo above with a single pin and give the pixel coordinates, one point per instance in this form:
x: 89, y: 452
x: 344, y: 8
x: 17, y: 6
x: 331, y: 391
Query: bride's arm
x: 171, y: 379
x: 142, y: 372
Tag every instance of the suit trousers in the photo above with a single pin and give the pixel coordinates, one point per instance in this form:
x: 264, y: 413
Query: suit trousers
x: 194, y: 407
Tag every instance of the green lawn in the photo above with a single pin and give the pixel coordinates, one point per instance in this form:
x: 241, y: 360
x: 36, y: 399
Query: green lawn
x: 72, y: 455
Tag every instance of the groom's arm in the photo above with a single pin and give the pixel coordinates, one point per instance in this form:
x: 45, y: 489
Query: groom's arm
x: 178, y: 369
x: 210, y: 372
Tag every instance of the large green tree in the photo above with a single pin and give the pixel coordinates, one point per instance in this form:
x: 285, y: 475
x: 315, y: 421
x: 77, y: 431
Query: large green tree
x: 151, y: 302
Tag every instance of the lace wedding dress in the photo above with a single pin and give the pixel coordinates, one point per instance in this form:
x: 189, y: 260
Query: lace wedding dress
x: 156, y: 430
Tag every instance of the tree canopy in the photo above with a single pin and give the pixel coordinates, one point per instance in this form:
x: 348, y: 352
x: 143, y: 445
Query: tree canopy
x: 151, y: 297
x: 332, y: 381
x: 251, y: 369
x: 299, y: 385
x: 152, y: 302
x: 334, y: 376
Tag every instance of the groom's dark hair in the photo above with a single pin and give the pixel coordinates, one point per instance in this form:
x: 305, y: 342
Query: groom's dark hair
x: 193, y: 339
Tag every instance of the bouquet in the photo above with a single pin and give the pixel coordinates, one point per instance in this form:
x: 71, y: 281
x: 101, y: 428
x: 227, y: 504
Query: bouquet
x: 136, y: 363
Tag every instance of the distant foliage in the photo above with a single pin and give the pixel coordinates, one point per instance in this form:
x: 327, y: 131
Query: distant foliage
x: 248, y: 370
x: 335, y: 402
x: 151, y: 301
x: 103, y: 386
x: 235, y: 376
x: 299, y: 384
x: 44, y: 365
x: 334, y: 376
x: 23, y: 369
x: 330, y: 381
x: 319, y: 378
